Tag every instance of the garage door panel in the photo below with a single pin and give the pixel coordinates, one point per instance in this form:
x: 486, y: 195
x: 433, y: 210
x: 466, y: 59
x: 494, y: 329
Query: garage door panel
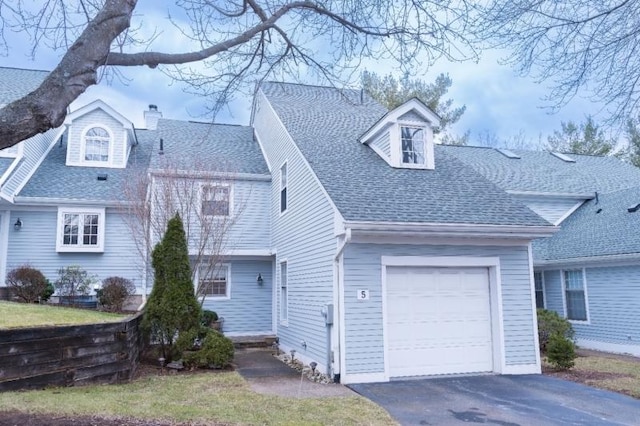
x: 438, y: 321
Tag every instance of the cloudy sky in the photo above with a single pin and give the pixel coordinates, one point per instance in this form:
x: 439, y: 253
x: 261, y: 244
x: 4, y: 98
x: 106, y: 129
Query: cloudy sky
x: 497, y: 101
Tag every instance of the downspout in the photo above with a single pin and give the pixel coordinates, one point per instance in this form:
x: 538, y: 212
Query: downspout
x: 338, y: 311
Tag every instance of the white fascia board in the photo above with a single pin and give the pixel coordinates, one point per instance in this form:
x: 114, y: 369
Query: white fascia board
x: 392, y: 116
x: 10, y: 169
x: 99, y: 104
x: 20, y: 200
x: 584, y: 196
x: 451, y: 230
x: 215, y: 175
x: 606, y: 260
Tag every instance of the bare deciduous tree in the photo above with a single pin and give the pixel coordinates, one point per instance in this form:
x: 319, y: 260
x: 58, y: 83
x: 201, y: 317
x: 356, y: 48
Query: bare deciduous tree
x: 201, y: 196
x: 234, y: 41
x: 573, y: 45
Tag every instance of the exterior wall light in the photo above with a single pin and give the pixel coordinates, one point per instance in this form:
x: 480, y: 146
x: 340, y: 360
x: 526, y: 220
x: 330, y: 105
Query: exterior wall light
x: 18, y: 225
x: 259, y: 280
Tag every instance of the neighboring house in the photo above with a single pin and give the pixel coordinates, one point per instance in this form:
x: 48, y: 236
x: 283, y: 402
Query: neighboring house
x: 589, y: 271
x: 348, y: 233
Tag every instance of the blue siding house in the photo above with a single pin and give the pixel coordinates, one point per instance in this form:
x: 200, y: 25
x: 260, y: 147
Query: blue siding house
x: 337, y: 225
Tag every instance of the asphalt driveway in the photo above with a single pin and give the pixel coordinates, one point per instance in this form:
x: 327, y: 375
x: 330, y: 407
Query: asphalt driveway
x: 500, y: 400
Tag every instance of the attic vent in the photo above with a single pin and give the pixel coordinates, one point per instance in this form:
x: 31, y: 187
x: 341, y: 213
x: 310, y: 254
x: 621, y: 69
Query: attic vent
x: 634, y: 208
x: 508, y: 154
x: 563, y: 157
x: 102, y: 176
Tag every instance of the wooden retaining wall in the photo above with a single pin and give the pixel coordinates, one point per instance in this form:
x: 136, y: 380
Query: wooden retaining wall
x: 33, y: 358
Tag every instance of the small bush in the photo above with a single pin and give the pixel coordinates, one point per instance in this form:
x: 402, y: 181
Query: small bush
x: 208, y: 317
x: 216, y: 351
x: 550, y: 323
x: 114, y: 293
x: 48, y: 292
x: 27, y: 283
x: 74, y: 281
x: 561, y: 352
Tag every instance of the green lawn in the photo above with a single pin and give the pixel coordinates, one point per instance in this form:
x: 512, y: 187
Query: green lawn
x: 207, y: 398
x: 19, y: 315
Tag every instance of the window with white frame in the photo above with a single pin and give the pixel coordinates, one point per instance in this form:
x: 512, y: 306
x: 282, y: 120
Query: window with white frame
x: 283, y: 188
x: 216, y: 200
x: 575, y: 295
x: 80, y: 230
x: 284, y: 297
x: 539, y: 287
x: 97, y: 142
x: 213, y: 281
x: 413, y: 145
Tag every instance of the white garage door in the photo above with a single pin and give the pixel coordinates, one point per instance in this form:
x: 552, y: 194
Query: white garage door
x: 438, y: 321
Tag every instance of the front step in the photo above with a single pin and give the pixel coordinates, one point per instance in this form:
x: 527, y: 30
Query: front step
x: 259, y: 341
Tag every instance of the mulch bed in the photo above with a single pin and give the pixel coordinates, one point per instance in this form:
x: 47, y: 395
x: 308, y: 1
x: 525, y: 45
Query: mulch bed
x: 16, y: 418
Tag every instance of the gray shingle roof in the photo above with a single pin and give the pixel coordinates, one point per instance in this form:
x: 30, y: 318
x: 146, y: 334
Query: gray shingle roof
x: 4, y: 165
x: 18, y: 82
x: 326, y: 123
x: 542, y: 172
x: 53, y: 179
x: 588, y: 233
x: 218, y: 147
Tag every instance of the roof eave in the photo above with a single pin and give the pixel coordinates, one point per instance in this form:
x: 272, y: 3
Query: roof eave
x: 45, y: 201
x: 590, y: 260
x: 451, y: 230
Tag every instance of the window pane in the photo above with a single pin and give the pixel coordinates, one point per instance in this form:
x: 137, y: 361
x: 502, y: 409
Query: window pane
x: 90, y: 234
x: 70, y: 231
x: 574, y: 295
x: 212, y: 282
x: 412, y: 145
x: 539, y: 290
x: 283, y: 188
x: 215, y: 200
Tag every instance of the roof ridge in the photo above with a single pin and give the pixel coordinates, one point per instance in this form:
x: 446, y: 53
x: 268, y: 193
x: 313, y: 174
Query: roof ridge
x: 317, y: 86
x: 176, y: 120
x: 23, y: 69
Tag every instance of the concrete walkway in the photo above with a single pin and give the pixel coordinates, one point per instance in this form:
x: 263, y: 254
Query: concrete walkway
x: 268, y: 375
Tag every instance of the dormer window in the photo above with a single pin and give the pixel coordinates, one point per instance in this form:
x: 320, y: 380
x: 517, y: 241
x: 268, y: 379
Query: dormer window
x: 413, y: 144
x: 97, y: 142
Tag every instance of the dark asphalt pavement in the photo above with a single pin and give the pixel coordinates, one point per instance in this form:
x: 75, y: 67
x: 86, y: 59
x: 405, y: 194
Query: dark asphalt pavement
x: 500, y: 400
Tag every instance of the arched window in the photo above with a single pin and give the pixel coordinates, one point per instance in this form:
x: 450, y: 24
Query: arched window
x: 96, y: 145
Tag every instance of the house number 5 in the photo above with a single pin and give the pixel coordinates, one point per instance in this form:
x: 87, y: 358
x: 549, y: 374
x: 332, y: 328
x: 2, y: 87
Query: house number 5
x: 363, y: 294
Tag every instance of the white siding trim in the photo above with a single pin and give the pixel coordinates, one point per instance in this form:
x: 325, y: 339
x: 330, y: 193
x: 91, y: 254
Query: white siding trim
x: 533, y: 306
x: 264, y: 154
x: 5, y: 218
x: 102, y: 222
x: 285, y: 322
x: 342, y: 356
x: 568, y: 213
x: 495, y: 289
x: 249, y: 334
x: 10, y: 170
x: 616, y: 348
x: 522, y: 369
x: 363, y: 378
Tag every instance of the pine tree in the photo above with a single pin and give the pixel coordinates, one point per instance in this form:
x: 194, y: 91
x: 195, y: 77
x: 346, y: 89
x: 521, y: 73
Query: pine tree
x: 172, y: 307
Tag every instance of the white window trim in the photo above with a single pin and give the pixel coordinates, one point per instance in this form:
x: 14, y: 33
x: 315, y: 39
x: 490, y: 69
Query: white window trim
x: 227, y: 296
x: 283, y: 322
x: 220, y: 184
x: 586, y: 296
x: 283, y: 165
x: 544, y: 290
x: 83, y: 146
x: 80, y: 248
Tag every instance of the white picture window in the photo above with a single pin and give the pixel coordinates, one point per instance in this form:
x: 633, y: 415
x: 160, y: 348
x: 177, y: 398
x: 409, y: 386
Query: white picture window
x: 216, y: 200
x: 284, y: 296
x: 413, y: 145
x: 539, y: 287
x: 575, y: 295
x: 97, y: 143
x: 283, y: 188
x: 80, y: 230
x: 213, y: 281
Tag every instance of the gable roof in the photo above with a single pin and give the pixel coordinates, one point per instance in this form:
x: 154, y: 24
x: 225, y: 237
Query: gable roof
x: 98, y: 104
x: 413, y: 104
x: 600, y: 227
x: 541, y: 171
x: 17, y: 82
x: 326, y: 125
x: 55, y: 180
x: 219, y: 147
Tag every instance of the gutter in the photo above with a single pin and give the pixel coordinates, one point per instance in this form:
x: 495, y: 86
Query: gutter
x: 611, y: 258
x: 40, y: 201
x: 451, y: 230
x: 585, y: 196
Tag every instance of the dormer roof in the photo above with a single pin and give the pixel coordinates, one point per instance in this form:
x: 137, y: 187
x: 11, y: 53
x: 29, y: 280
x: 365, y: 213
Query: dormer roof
x: 414, y: 105
x: 99, y: 104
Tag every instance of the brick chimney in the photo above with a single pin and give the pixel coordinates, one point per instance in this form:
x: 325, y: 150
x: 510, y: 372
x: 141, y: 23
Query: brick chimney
x: 151, y: 117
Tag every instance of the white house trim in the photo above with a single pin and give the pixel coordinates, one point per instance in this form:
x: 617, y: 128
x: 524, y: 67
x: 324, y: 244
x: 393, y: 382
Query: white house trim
x: 584, y: 196
x: 495, y: 289
x: 5, y: 219
x: 568, y: 213
x: 83, y: 149
x: 213, y: 299
x: 80, y: 248
x: 532, y: 288
x: 10, y: 169
x: 618, y: 348
x: 98, y: 104
x: 592, y: 261
x: 394, y: 115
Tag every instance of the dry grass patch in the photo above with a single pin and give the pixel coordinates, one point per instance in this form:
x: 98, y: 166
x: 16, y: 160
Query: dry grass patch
x: 206, y: 398
x: 618, y: 373
x: 20, y: 315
